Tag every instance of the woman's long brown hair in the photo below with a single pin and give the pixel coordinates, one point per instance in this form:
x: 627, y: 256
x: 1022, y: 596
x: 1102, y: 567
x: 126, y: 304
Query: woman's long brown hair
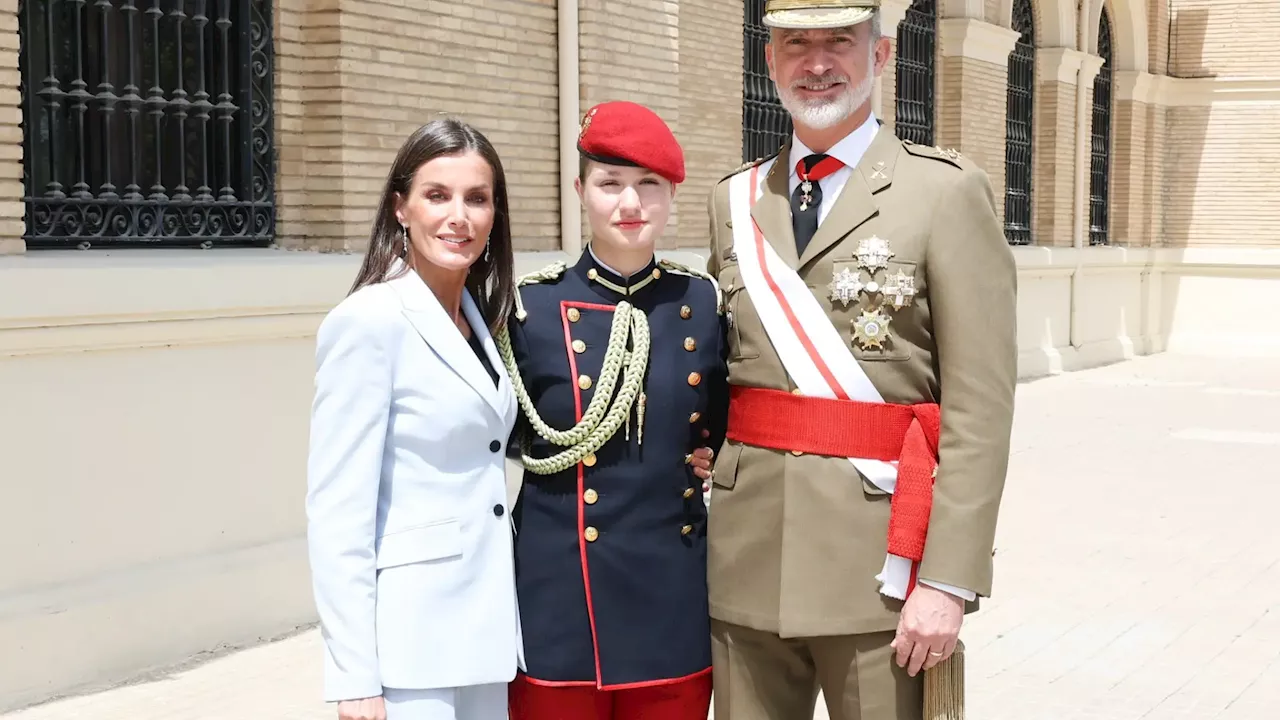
x: 490, y: 280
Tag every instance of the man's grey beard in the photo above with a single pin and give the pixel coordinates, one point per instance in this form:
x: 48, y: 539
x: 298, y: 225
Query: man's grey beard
x: 822, y: 114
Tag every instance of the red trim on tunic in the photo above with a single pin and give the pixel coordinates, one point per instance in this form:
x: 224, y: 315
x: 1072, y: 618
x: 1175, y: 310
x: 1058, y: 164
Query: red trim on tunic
x: 620, y: 686
x: 582, y: 510
x: 687, y: 698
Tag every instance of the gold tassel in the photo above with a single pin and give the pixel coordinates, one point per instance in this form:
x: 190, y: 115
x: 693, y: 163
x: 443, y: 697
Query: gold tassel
x: 640, y: 420
x: 944, y: 688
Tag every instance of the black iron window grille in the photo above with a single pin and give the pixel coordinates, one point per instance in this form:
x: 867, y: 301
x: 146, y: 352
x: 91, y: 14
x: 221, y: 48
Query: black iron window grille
x: 147, y: 122
x: 1018, y: 127
x: 765, y: 123
x: 1100, y: 170
x: 917, y: 40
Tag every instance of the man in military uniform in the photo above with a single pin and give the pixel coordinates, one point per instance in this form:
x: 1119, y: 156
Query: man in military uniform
x: 618, y: 362
x: 872, y: 366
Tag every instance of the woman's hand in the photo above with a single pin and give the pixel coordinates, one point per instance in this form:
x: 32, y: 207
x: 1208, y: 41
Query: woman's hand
x: 363, y: 709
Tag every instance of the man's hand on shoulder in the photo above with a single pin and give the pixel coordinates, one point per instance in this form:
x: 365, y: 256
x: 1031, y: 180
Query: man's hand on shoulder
x: 927, y: 629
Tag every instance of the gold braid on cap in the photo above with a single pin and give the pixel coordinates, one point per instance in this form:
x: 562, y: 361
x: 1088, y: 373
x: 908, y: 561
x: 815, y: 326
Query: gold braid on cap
x: 783, y: 5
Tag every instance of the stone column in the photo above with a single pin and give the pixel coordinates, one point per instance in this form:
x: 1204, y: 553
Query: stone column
x: 973, y: 93
x: 12, y: 208
x: 1090, y: 65
x: 1137, y: 174
x: 1054, y: 149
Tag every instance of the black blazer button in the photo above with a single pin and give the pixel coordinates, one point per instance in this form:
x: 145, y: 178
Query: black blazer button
x: 495, y: 446
x: 497, y: 510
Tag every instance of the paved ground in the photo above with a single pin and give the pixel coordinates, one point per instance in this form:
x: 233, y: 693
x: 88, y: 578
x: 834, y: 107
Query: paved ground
x: 1138, y: 568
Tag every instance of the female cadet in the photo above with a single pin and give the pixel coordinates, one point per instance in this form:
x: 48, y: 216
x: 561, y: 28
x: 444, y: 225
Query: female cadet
x: 617, y: 364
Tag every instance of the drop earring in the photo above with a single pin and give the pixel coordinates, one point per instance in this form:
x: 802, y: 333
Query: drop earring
x: 404, y: 237
x: 486, y: 250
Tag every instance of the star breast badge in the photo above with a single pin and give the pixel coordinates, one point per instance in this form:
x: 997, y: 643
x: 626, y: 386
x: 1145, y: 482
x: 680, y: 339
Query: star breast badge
x: 900, y: 290
x: 874, y: 253
x: 845, y: 286
x: 871, y: 329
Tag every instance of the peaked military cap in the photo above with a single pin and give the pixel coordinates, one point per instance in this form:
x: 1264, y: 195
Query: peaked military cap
x: 817, y: 14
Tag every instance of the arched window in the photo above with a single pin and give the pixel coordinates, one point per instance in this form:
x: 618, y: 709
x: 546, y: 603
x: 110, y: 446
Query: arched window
x: 765, y: 124
x: 1100, y: 171
x: 1018, y: 127
x: 917, y: 38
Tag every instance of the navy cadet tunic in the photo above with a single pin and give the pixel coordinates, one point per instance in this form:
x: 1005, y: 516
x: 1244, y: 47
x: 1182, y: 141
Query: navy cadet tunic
x: 611, y: 553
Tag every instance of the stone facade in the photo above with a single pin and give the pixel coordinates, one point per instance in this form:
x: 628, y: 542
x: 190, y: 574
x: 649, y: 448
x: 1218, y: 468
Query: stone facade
x: 1194, y: 81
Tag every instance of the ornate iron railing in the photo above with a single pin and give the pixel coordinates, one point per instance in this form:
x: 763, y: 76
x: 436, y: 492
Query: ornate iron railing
x: 765, y: 124
x: 1100, y: 167
x: 917, y: 42
x: 1018, y: 127
x: 147, y: 122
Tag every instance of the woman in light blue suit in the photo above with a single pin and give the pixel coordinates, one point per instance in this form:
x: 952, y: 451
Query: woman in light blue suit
x: 408, y: 527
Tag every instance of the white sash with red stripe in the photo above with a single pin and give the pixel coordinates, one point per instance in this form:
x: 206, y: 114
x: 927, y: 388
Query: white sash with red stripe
x: 812, y: 350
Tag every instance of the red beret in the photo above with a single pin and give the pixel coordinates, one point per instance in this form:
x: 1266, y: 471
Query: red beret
x: 624, y: 133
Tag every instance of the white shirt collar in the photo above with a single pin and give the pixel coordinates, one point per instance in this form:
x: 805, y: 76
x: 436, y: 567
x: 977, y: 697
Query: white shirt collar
x: 849, y: 150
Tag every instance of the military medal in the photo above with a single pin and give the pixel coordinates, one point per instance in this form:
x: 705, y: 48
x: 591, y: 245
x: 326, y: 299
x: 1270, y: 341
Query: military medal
x: 900, y: 290
x: 874, y: 253
x: 806, y: 187
x: 845, y: 286
x: 871, y: 329
x: 823, y: 165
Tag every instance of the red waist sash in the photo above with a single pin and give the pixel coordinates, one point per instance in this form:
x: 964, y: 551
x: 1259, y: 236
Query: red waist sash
x: 852, y: 429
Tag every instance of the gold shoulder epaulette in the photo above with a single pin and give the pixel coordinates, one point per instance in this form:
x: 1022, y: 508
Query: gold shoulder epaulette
x: 546, y: 274
x: 936, y: 152
x: 675, y: 267
x: 752, y: 164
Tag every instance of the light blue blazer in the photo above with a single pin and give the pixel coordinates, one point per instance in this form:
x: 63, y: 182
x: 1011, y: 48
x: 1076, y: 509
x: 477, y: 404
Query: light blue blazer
x: 408, y: 528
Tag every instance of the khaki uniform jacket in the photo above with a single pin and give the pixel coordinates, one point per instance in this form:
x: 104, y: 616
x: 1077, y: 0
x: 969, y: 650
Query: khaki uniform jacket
x: 795, y: 541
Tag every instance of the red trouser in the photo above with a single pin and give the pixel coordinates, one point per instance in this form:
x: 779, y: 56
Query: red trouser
x: 688, y: 699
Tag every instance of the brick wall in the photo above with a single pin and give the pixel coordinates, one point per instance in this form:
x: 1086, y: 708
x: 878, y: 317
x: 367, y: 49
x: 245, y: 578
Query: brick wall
x: 1222, y: 186
x: 1226, y: 38
x: 356, y: 77
x: 294, y: 20
x: 710, y: 107
x: 888, y: 85
x: 1217, y: 158
x: 11, y: 190
x: 630, y: 50
x: 971, y: 114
